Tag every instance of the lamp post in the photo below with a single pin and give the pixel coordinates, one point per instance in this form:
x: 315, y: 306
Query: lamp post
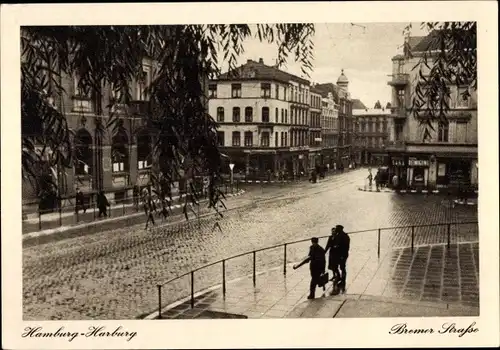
x: 231, y: 167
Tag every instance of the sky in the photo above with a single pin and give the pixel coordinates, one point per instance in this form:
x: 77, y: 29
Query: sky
x: 363, y: 50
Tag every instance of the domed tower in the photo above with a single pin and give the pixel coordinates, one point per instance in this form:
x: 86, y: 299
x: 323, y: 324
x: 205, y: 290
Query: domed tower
x: 343, y: 82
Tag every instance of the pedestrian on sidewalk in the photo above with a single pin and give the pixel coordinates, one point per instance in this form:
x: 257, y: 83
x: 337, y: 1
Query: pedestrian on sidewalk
x: 102, y: 204
x: 317, y: 262
x: 135, y: 194
x: 79, y: 201
x: 149, y: 210
x: 377, y: 180
x: 370, y: 178
x: 339, y: 245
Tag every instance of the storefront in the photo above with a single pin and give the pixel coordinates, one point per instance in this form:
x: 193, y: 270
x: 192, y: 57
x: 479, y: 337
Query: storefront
x: 454, y: 172
x: 398, y: 168
x: 418, y: 172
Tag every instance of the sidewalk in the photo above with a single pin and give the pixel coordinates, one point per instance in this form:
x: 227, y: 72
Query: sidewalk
x: 434, y: 281
x: 129, y: 218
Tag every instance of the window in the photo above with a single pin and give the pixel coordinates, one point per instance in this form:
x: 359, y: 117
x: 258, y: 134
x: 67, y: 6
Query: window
x: 144, y: 150
x: 236, y: 90
x: 286, y: 116
x: 276, y: 115
x: 284, y: 93
x: 276, y: 139
x: 265, y: 114
x: 461, y: 132
x: 282, y: 115
x: 236, y: 139
x: 286, y: 138
x: 220, y: 114
x: 463, y: 98
x: 119, y: 151
x: 282, y: 139
x: 248, y: 139
x: 220, y: 138
x: 384, y: 126
x: 143, y: 82
x: 236, y: 114
x: 277, y: 91
x: 248, y: 114
x: 77, y: 90
x: 264, y: 139
x: 83, y: 152
x: 265, y: 90
x: 443, y: 132
x: 212, y: 90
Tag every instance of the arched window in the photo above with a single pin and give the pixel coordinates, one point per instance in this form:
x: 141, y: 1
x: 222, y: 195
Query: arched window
x: 248, y: 114
x: 144, y: 150
x: 265, y: 114
x: 83, y: 153
x: 119, y: 151
x: 236, y: 114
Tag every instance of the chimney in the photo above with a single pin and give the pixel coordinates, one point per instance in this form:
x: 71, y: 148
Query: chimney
x: 261, y: 60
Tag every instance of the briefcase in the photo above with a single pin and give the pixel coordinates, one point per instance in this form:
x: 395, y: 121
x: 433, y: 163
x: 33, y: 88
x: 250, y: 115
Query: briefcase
x: 323, y: 279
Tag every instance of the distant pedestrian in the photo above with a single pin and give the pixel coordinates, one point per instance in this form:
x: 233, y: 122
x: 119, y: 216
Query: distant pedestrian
x: 79, y: 201
x: 102, y: 204
x: 377, y: 180
x: 395, y: 182
x: 317, y: 262
x: 370, y: 178
x: 135, y: 194
x: 149, y: 210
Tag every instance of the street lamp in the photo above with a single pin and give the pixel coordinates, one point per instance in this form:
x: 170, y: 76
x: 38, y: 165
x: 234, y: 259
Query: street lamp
x: 231, y: 166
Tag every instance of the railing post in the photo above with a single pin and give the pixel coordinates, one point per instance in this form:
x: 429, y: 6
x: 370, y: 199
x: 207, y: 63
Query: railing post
x: 378, y: 244
x: 123, y: 207
x: 284, y: 259
x: 412, y: 237
x: 159, y: 301
x: 93, y: 208
x: 77, y: 215
x: 192, y: 289
x: 224, y: 277
x: 448, y: 234
x: 60, y: 215
x: 39, y: 220
x: 254, y: 268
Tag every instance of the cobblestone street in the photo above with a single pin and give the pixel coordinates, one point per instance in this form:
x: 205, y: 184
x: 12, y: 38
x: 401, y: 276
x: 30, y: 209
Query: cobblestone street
x: 113, y: 274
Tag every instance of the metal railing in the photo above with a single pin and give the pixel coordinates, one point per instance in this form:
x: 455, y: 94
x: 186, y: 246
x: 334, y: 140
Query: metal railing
x: 442, y: 233
x: 71, y: 214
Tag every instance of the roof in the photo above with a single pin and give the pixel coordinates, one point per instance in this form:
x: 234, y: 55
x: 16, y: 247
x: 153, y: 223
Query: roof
x: 324, y: 89
x: 253, y: 70
x: 357, y: 104
x: 371, y: 111
x: 429, y: 42
x: 342, y: 78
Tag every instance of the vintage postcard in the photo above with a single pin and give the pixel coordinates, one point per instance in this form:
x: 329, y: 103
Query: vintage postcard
x: 221, y: 175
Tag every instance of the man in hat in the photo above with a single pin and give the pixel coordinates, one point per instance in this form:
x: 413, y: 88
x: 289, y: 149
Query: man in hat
x: 339, y: 244
x: 317, y: 262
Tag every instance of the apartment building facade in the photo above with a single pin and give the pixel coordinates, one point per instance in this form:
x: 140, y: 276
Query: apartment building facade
x: 372, y: 135
x: 315, y: 131
x: 113, y: 161
x: 449, y: 157
x: 263, y: 117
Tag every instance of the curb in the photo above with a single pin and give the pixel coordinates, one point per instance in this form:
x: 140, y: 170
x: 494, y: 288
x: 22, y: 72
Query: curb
x: 402, y: 191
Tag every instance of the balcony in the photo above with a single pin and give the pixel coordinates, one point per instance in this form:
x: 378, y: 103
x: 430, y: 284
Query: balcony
x: 398, y: 145
x: 139, y: 108
x: 398, y: 112
x: 399, y: 80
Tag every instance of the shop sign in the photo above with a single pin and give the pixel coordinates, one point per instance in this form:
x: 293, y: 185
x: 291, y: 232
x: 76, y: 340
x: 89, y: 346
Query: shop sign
x: 398, y: 162
x: 418, y: 162
x: 441, y: 169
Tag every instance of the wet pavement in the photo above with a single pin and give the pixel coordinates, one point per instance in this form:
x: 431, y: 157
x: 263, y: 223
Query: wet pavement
x: 114, y: 274
x: 431, y: 281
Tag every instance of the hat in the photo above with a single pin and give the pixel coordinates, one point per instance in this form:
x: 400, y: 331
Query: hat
x: 314, y: 239
x: 339, y: 227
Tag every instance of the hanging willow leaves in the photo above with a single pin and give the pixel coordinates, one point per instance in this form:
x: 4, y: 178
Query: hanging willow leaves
x: 111, y: 56
x: 448, y: 58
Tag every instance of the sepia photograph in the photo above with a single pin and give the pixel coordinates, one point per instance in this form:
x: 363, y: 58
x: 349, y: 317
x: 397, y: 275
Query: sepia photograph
x: 261, y: 170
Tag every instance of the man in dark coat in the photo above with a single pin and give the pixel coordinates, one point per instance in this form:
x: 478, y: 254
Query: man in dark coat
x: 102, y: 204
x: 317, y: 262
x: 339, y: 247
x: 80, y: 201
x: 333, y: 263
